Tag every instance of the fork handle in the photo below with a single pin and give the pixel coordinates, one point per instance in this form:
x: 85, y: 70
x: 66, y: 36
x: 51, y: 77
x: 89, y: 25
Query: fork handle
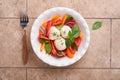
x: 25, y: 50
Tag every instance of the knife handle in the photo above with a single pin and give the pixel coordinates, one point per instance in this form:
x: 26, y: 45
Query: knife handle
x: 25, y: 50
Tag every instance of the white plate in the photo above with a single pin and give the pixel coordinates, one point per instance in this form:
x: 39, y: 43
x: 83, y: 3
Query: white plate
x: 65, y: 61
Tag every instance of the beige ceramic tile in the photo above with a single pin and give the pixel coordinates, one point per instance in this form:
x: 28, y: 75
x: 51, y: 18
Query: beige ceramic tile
x: 115, y: 74
x: 98, y: 53
x: 88, y: 8
x: 12, y: 74
x: 11, y: 8
x: 115, y: 43
x: 71, y: 74
x: 68, y: 74
x: 11, y: 45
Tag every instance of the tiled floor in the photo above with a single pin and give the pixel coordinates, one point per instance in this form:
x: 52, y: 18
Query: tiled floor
x: 101, y: 61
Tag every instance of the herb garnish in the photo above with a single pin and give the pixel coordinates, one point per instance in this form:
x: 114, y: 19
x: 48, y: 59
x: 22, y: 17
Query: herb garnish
x: 48, y: 47
x: 96, y: 25
x: 72, y: 35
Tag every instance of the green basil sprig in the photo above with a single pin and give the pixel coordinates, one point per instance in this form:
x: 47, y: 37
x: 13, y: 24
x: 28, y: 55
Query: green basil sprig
x: 72, y: 35
x: 48, y: 47
x: 69, y: 17
x: 96, y: 25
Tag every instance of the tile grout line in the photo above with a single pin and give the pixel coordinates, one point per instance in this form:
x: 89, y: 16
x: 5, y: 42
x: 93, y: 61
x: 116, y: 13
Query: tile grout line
x: 26, y: 73
x: 73, y: 68
x: 26, y: 6
x: 28, y: 15
x: 110, y: 41
x: 26, y: 68
x: 36, y: 18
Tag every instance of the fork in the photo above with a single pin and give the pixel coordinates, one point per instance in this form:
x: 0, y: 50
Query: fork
x: 23, y: 22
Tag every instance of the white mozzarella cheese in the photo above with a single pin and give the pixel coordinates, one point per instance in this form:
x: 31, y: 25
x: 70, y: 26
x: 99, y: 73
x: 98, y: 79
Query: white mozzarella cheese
x: 54, y: 33
x: 60, y: 43
x: 64, y: 31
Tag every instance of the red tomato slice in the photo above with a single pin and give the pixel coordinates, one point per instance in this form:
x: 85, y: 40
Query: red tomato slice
x: 49, y: 24
x: 54, y: 51
x: 72, y: 49
x: 43, y: 37
x: 71, y: 23
x: 77, y: 41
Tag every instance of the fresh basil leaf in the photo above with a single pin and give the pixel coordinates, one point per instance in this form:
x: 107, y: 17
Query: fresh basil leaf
x: 46, y: 42
x: 76, y: 34
x: 48, y: 47
x: 69, y: 18
x: 70, y: 34
x: 75, y: 28
x: 72, y: 39
x: 59, y: 54
x: 43, y: 40
x: 59, y: 27
x: 68, y: 42
x: 96, y: 25
x: 75, y: 46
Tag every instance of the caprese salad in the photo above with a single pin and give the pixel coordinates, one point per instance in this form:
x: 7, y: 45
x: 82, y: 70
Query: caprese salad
x: 60, y: 36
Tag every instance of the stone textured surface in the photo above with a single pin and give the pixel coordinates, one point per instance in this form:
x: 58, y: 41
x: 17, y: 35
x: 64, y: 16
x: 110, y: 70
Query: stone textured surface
x: 12, y: 74
x: 11, y: 38
x: 69, y: 74
x: 88, y: 8
x: 115, y: 43
x: 101, y: 61
x: 115, y: 74
x: 11, y: 8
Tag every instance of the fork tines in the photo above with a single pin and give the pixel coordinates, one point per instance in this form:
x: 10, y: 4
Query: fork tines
x: 24, y: 19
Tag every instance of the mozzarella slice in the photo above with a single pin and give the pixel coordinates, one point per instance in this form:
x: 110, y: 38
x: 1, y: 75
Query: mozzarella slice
x: 54, y: 33
x: 65, y: 30
x: 60, y: 43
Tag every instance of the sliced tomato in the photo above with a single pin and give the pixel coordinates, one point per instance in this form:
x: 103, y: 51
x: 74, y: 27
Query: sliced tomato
x: 42, y: 36
x: 71, y: 23
x: 54, y: 51
x: 57, y: 22
x: 72, y: 49
x: 77, y: 41
x: 64, y: 52
x: 49, y: 24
